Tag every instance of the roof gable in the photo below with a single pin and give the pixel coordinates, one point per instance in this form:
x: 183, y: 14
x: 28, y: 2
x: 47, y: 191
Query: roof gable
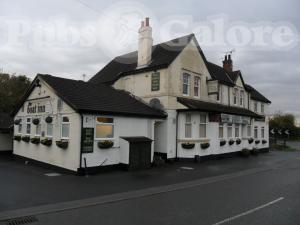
x: 256, y: 95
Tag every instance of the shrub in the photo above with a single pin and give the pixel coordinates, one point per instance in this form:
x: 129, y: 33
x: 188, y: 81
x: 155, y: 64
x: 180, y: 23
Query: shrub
x: 105, y: 144
x: 46, y: 142
x: 222, y: 142
x: 231, y: 142
x: 17, y: 137
x: 245, y: 152
x: 188, y: 145
x: 257, y: 142
x: 62, y: 144
x: 238, y: 141
x: 250, y: 141
x: 35, y: 140
x: 205, y: 145
x: 26, y: 138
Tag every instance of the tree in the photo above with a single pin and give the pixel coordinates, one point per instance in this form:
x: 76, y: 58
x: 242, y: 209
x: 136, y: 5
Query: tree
x: 12, y: 88
x: 283, y: 122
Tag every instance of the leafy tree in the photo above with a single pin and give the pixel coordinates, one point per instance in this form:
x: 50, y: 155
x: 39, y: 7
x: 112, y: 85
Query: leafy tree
x: 283, y: 122
x: 12, y: 88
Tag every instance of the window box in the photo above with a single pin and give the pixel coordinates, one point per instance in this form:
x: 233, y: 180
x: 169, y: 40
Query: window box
x: 105, y: 144
x: 188, y: 145
x: 250, y: 141
x: 264, y: 141
x: 257, y: 142
x: 238, y: 141
x: 36, y: 121
x: 46, y: 142
x: 231, y: 142
x: 17, y: 137
x: 245, y: 152
x: 62, y: 144
x: 222, y: 142
x: 26, y: 138
x: 35, y: 140
x: 204, y: 145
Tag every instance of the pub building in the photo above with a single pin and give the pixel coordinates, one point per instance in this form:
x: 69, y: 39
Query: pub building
x: 164, y: 101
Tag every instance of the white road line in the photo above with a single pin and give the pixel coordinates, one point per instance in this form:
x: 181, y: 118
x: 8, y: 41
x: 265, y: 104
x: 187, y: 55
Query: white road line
x: 249, y: 211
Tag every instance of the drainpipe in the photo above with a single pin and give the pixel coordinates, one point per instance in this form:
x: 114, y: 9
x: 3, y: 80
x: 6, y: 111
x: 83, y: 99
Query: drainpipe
x: 176, y: 155
x: 80, y: 155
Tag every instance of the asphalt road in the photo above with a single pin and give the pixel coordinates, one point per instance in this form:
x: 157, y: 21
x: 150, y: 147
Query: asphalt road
x: 265, y: 191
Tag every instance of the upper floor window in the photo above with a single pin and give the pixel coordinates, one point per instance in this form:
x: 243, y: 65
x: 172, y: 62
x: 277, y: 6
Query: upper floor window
x: 65, y: 127
x: 186, y: 84
x: 196, y: 86
x: 202, y: 128
x: 235, y: 96
x: 28, y: 126
x: 255, y: 106
x: 104, y: 128
x: 255, y: 132
x: 188, y: 125
x: 59, y: 104
x: 155, y: 81
x: 220, y: 93
x: 242, y: 98
x: 262, y: 108
x: 262, y: 132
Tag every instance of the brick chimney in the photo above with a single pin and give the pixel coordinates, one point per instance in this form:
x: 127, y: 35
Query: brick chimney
x: 227, y: 63
x: 145, y: 44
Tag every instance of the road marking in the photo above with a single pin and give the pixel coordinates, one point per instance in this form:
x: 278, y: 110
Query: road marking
x: 186, y: 168
x: 52, y: 174
x: 249, y: 211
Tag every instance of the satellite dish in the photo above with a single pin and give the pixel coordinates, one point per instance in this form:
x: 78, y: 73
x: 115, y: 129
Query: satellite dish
x: 155, y: 103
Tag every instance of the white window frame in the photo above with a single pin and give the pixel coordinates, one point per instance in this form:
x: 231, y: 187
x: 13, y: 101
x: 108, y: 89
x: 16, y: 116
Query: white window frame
x: 255, y: 106
x: 242, y: 98
x: 235, y: 96
x: 237, y: 128
x: 36, y: 128
x: 249, y: 129
x: 101, y: 123
x: 188, y: 84
x: 262, y: 132
x: 255, y: 133
x: 220, y: 94
x: 201, y: 124
x: 28, y: 122
x: 47, y: 124
x: 61, y: 127
x: 188, y: 123
x: 262, y: 108
x: 229, y: 126
x: 221, y: 126
x: 18, y: 127
x: 197, y: 85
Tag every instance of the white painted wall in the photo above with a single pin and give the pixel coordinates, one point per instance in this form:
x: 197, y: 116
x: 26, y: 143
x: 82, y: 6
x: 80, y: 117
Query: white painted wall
x: 5, y: 142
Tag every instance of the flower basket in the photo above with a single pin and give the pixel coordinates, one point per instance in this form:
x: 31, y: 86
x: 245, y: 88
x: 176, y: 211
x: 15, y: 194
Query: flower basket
x: 17, y: 138
x: 17, y: 122
x: 231, y: 142
x: 48, y: 119
x: 250, y: 141
x: 205, y: 145
x: 63, y: 144
x: 46, y: 142
x: 35, y: 140
x: 188, y: 145
x: 105, y: 144
x: 264, y: 141
x: 36, y: 121
x: 238, y: 141
x: 26, y: 138
x: 222, y: 142
x: 257, y: 142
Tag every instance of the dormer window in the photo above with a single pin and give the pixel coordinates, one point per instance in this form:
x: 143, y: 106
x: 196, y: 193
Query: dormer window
x: 196, y: 86
x: 186, y: 84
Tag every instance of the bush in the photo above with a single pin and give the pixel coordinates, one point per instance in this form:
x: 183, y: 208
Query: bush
x: 231, y: 142
x: 205, y: 145
x: 46, y: 142
x: 188, y: 145
x: 26, y: 138
x: 222, y: 142
x: 35, y: 140
x: 245, y: 152
x: 17, y: 138
x: 238, y: 141
x: 250, y: 141
x: 105, y: 144
x: 62, y: 144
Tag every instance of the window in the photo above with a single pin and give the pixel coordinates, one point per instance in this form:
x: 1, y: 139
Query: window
x: 196, y: 86
x: 49, y: 130
x: 221, y: 130
x: 20, y: 127
x: 249, y: 130
x: 242, y: 97
x: 263, y: 132
x: 186, y: 84
x: 202, y: 129
x: 65, y: 127
x: 255, y: 106
x: 237, y: 130
x: 188, y: 125
x: 235, y: 96
x: 155, y: 81
x: 59, y: 104
x: 38, y: 128
x: 104, y: 128
x: 229, y: 130
x: 255, y: 132
x: 220, y: 94
x: 28, y: 126
x: 262, y: 108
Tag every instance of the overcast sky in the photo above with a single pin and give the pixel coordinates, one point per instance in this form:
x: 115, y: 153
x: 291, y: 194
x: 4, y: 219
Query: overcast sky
x: 74, y: 37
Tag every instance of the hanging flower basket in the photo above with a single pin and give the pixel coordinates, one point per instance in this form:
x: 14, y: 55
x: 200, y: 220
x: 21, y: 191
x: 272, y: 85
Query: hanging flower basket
x: 231, y: 142
x: 264, y: 141
x: 49, y: 119
x: 188, y: 145
x: 17, y: 122
x: 63, y: 144
x: 36, y: 121
x: 238, y: 141
x: 222, y: 142
x: 250, y: 141
x: 17, y: 137
x: 205, y: 145
x: 105, y: 144
x: 257, y: 142
x: 35, y: 140
x: 46, y: 142
x: 26, y: 138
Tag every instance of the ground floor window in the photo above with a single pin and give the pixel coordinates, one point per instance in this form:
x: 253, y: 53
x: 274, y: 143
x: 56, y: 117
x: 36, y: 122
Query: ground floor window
x: 20, y: 127
x: 202, y: 128
x: 28, y: 126
x: 249, y: 130
x: 49, y: 128
x: 38, y: 128
x: 65, y: 127
x: 255, y: 132
x: 188, y: 125
x: 104, y: 128
x: 229, y: 131
x: 221, y: 130
x: 263, y: 132
x: 237, y: 130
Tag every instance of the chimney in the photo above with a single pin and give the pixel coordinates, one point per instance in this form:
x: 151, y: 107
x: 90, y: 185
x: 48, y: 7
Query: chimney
x: 145, y: 44
x: 227, y: 63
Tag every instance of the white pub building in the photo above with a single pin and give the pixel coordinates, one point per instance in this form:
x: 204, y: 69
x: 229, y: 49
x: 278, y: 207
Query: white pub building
x: 166, y: 100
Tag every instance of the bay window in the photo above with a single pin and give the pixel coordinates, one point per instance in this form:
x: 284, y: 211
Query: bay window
x: 188, y: 125
x: 65, y: 127
x: 186, y: 84
x: 196, y: 86
x: 202, y: 128
x: 104, y: 128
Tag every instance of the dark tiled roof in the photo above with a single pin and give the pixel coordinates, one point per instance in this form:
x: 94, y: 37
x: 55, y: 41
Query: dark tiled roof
x: 162, y: 56
x: 5, y: 121
x: 86, y: 97
x: 255, y: 95
x: 234, y: 75
x: 219, y: 73
x: 137, y: 139
x: 216, y: 108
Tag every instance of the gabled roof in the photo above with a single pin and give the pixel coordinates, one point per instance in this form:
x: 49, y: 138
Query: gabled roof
x: 5, y: 121
x: 256, y: 95
x: 162, y: 56
x: 192, y: 104
x: 219, y: 73
x: 86, y: 97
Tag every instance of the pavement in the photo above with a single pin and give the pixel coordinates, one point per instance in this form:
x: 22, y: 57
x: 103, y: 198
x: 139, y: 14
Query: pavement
x: 255, y: 190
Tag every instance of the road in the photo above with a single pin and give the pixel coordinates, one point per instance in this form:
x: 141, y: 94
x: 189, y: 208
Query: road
x: 265, y: 194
